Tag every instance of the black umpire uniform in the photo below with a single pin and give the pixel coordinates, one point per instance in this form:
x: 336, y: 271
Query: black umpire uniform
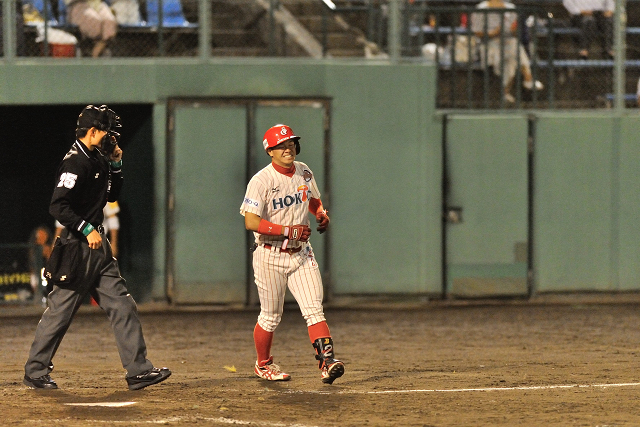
x: 89, y: 175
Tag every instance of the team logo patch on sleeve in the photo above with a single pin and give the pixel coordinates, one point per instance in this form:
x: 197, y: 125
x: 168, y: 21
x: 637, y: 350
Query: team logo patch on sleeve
x: 307, y: 175
x: 251, y: 202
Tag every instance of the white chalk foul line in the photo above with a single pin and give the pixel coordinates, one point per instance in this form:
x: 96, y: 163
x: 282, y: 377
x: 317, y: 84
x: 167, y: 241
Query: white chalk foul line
x: 191, y: 419
x: 462, y: 390
x: 532, y: 387
x: 106, y: 404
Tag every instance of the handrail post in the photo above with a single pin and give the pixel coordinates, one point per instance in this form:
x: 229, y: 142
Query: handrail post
x: 394, y: 30
x: 502, y: 46
x: 160, y: 28
x: 452, y: 55
x: 518, y: 76
x: 469, y: 61
x: 620, y: 23
x: 325, y: 28
x: 47, y: 19
x: 204, y: 22
x: 9, y: 25
x: 272, y: 27
x: 550, y: 63
x: 485, y: 43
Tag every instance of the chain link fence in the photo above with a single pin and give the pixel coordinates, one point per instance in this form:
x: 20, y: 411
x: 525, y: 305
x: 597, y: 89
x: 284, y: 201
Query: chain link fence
x: 469, y: 75
x: 472, y: 76
x: 137, y: 29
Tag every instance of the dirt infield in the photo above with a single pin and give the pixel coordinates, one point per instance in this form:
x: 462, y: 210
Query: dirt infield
x: 497, y: 364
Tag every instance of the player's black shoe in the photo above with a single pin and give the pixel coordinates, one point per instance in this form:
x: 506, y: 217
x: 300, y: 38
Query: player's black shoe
x: 332, y: 370
x: 44, y: 381
x: 150, y: 377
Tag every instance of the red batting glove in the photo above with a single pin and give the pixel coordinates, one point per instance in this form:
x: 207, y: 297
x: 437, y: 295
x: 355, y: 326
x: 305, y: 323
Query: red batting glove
x: 297, y: 232
x: 322, y: 218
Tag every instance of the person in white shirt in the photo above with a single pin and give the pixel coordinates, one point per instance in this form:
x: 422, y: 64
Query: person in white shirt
x: 594, y: 18
x: 95, y: 21
x: 507, y: 46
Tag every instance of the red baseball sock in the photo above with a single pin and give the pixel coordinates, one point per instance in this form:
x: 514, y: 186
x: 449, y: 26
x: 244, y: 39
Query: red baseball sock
x: 263, y: 340
x: 319, y: 330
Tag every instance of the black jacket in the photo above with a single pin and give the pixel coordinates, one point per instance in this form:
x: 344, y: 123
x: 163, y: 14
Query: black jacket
x: 85, y: 183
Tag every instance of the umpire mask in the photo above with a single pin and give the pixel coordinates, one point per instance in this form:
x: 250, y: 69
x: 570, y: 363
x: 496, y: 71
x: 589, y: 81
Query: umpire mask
x: 105, y: 119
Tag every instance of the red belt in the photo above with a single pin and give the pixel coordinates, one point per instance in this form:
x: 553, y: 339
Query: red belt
x: 288, y: 250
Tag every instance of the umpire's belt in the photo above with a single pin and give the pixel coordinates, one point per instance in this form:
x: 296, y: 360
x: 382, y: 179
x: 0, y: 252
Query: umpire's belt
x: 288, y: 250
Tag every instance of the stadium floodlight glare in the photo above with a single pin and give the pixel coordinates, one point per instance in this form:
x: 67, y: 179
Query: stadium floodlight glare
x: 331, y: 4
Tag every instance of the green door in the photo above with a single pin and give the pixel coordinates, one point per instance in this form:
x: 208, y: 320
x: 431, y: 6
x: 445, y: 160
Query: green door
x: 208, y: 257
x: 208, y: 245
x: 486, y: 206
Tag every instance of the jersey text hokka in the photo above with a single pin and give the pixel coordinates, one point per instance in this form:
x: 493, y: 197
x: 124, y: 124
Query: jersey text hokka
x: 301, y: 196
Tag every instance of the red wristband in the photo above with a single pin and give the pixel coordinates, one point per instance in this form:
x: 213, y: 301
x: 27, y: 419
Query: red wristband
x: 315, y: 206
x: 269, y: 228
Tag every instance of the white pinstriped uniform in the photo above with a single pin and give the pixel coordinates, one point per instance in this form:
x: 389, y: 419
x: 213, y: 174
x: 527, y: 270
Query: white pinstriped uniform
x: 284, y: 200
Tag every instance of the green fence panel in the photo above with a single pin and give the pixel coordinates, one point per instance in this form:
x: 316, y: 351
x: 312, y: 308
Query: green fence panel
x: 209, y: 249
x: 628, y: 195
x: 386, y: 175
x: 486, y: 245
x: 574, y: 203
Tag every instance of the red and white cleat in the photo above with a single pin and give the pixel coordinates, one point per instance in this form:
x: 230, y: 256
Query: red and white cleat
x: 270, y: 371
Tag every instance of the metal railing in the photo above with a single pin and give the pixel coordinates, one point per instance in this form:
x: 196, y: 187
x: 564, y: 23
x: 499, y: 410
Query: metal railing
x: 396, y: 30
x: 464, y: 56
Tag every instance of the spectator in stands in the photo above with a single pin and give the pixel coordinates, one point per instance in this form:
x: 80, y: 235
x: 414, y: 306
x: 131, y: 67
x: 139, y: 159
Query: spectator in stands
x: 593, y: 18
x: 41, y: 242
x: 95, y: 21
x: 111, y: 225
x: 20, y: 42
x: 127, y: 12
x: 507, y: 46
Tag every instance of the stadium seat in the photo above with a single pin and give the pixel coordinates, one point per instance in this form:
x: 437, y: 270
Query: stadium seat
x: 62, y: 12
x: 40, y: 5
x: 172, y: 15
x: 628, y: 97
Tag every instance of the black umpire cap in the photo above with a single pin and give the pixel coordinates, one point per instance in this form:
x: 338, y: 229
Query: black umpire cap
x: 102, y: 118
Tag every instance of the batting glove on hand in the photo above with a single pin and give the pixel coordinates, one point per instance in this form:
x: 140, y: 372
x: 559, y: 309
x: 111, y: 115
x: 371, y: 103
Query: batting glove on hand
x: 297, y: 232
x: 322, y: 218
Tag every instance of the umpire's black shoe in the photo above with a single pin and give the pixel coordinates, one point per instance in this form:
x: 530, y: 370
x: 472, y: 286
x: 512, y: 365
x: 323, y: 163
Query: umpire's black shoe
x: 150, y: 377
x: 44, y: 381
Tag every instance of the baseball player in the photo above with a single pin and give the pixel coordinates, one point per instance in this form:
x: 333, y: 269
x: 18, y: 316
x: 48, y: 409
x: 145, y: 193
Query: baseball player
x: 276, y: 208
x: 111, y: 225
x: 81, y: 261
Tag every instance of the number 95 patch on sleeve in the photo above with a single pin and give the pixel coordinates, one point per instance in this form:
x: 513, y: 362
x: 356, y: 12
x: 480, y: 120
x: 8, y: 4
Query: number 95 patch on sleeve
x: 68, y: 180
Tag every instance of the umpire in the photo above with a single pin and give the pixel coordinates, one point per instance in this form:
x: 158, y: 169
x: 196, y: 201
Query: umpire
x: 82, y: 262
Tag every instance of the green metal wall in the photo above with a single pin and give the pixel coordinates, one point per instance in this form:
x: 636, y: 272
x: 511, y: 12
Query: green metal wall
x: 386, y: 167
x: 584, y: 201
x: 487, y: 182
x: 386, y: 175
x: 586, y: 204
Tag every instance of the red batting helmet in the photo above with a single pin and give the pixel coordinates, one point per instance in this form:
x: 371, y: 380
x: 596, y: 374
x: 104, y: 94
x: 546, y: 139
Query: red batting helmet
x: 277, y: 135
